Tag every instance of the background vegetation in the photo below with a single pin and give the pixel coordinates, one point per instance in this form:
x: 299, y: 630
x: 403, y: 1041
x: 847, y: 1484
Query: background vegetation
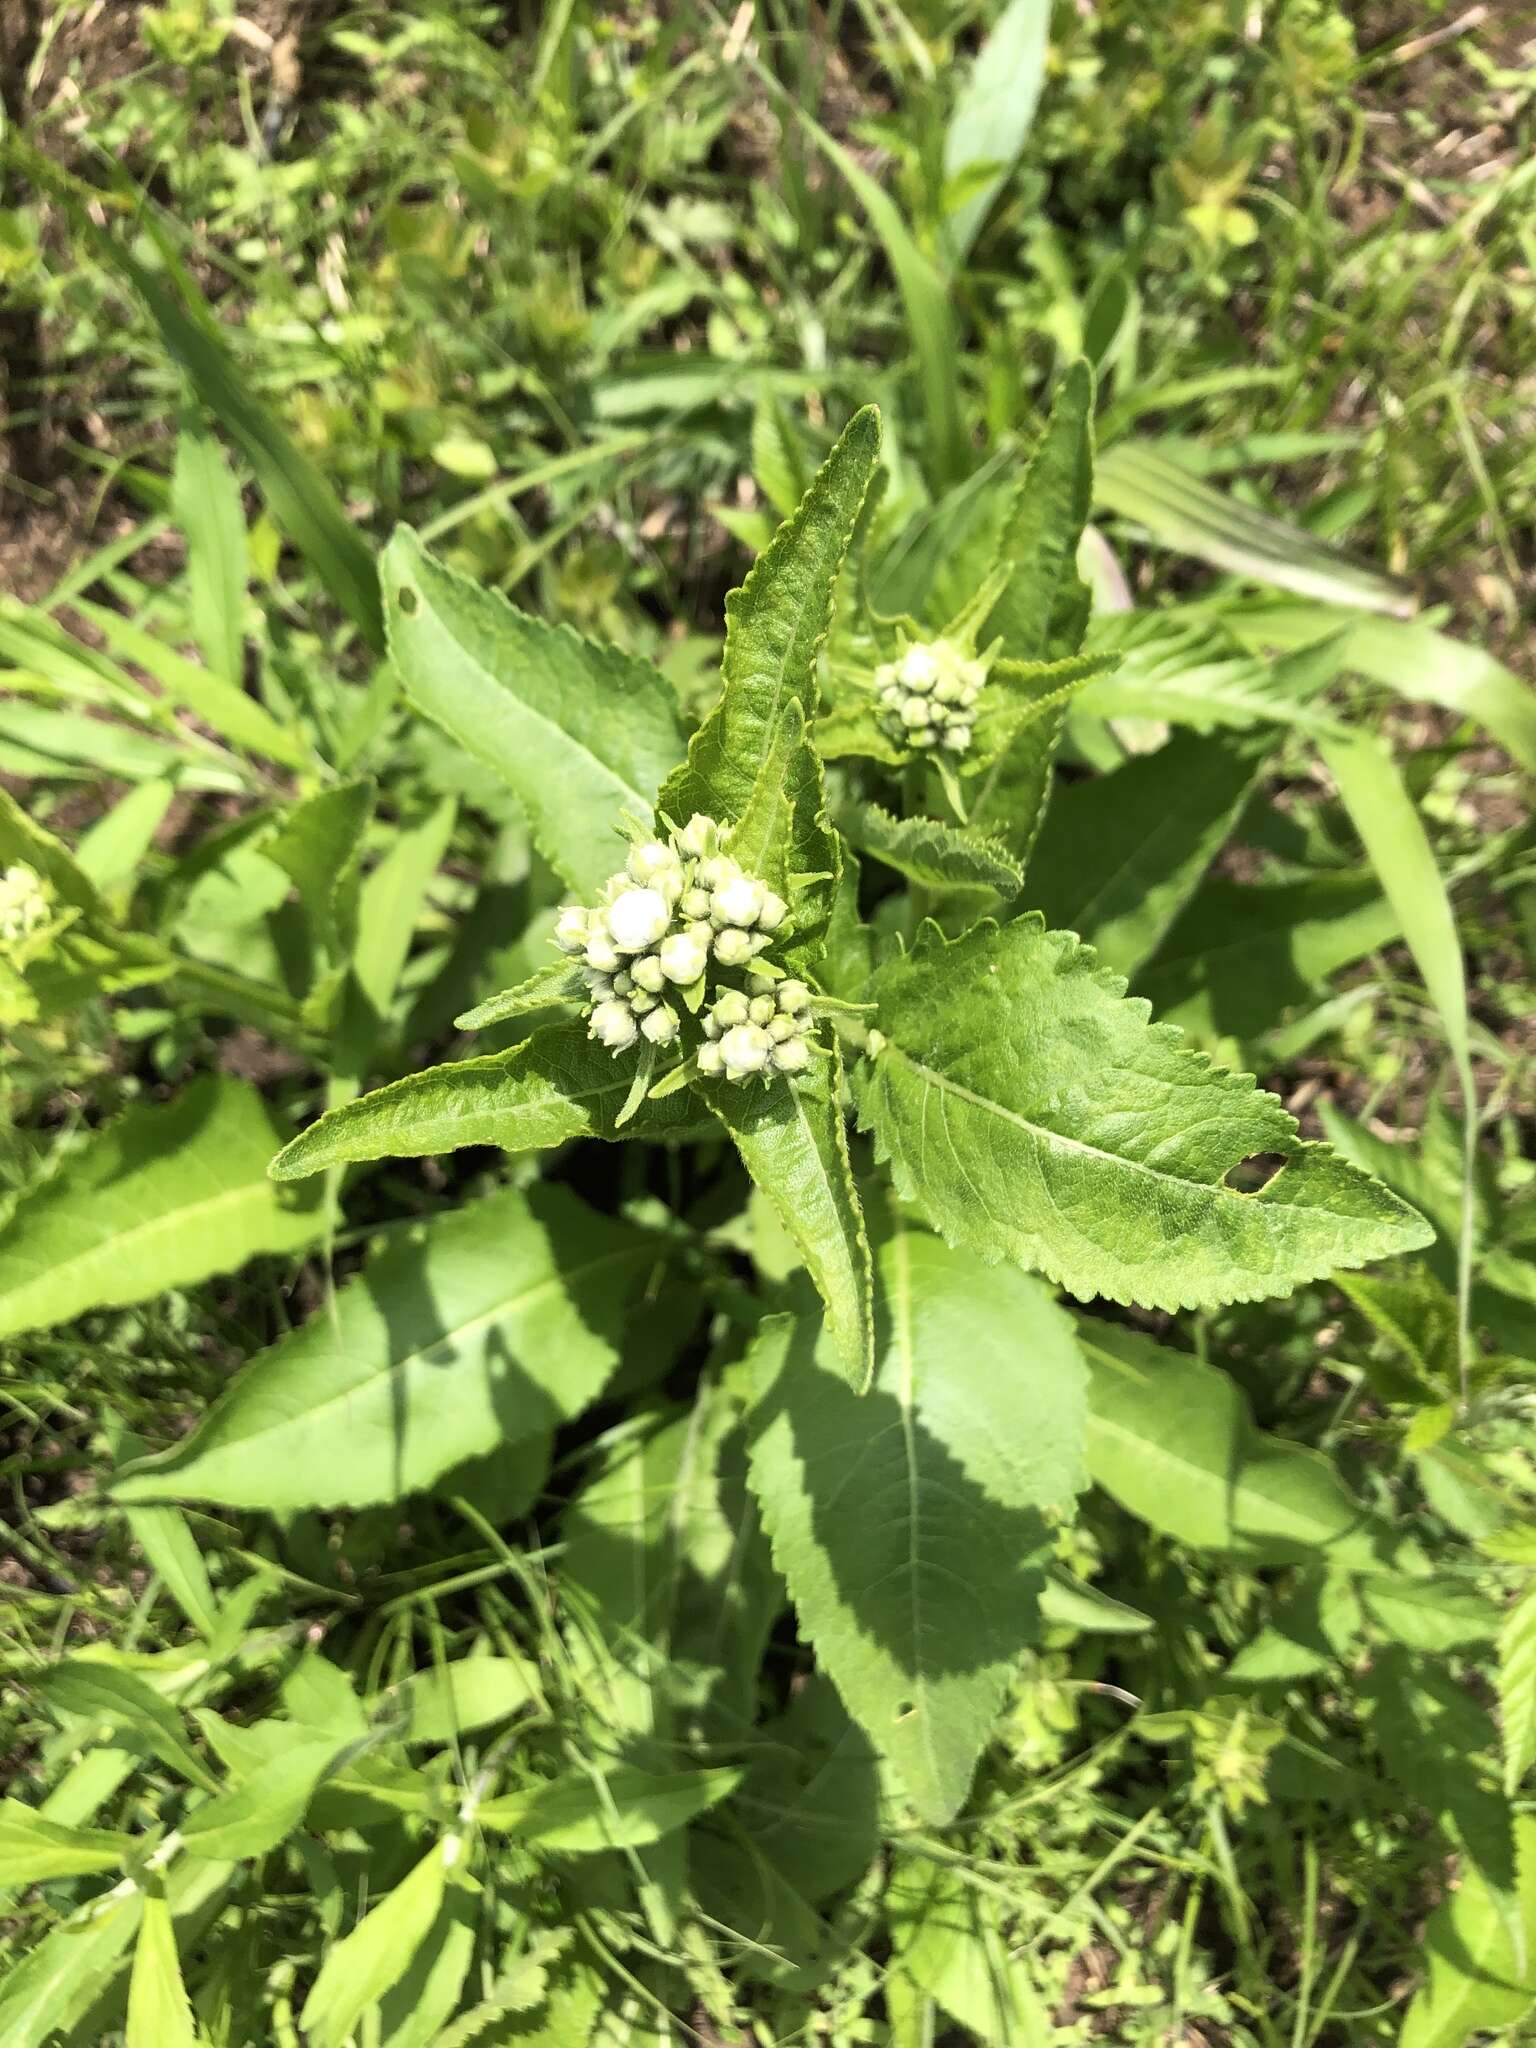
x: 581, y: 295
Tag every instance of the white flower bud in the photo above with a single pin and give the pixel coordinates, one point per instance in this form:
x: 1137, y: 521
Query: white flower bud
x: 711, y: 1061
x: 660, y: 1027
x: 641, y: 1002
x: 637, y: 918
x: 602, y: 953
x: 571, y: 929
x: 885, y: 675
x: 773, y: 912
x: 958, y: 738
x: 761, y: 1009
x: 613, y: 1025
x: 875, y: 1044
x: 969, y: 695
x: 694, y: 904
x: 732, y: 1008
x: 699, y: 837
x: 745, y: 1050
x: 947, y: 689
x: 918, y: 668
x: 650, y: 859
x: 914, y: 711
x: 793, y: 997
x: 733, y: 947
x: 780, y: 1028
x: 715, y: 873
x: 598, y: 985
x: 737, y: 901
x: 891, y: 696
x: 648, y: 973
x: 711, y: 1027
x: 683, y: 958
x: 760, y: 984
x: 793, y: 1056
x: 927, y: 737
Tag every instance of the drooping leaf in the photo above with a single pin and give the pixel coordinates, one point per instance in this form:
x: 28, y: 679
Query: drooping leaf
x: 992, y: 115
x: 555, y: 1085
x: 34, y: 1848
x: 364, y: 1964
x: 581, y: 1814
x: 936, y: 855
x: 910, y: 1523
x: 167, y: 1196
x: 158, y: 2013
x: 1119, y: 855
x: 490, y: 1323
x: 794, y: 1143
x: 1032, y: 1112
x: 580, y: 733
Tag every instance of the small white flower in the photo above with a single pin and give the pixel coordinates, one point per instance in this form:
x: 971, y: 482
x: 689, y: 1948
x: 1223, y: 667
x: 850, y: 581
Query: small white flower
x: 694, y: 904
x: 648, y: 973
x: 793, y: 997
x: 781, y: 1028
x: 683, y: 958
x: 660, y: 1026
x: 957, y: 738
x: 602, y: 953
x: 571, y: 929
x: 642, y: 1003
x: 738, y: 901
x: 773, y: 912
x: 793, y: 1056
x: 699, y: 837
x: 919, y: 667
x: 711, y: 1060
x: 745, y: 1050
x: 715, y: 873
x: 637, y: 918
x: 613, y: 1025
x: 732, y: 1008
x: 733, y: 947
x: 650, y: 859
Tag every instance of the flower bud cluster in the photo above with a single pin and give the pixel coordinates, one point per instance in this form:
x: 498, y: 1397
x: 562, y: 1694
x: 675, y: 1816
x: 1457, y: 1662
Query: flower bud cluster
x: 928, y: 697
x: 26, y: 905
x: 678, y: 908
x: 765, y: 1030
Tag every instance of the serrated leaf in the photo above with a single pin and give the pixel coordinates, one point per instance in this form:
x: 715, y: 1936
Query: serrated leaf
x: 1031, y: 1111
x: 168, y: 1195
x: 555, y: 1085
x: 1477, y: 1981
x: 1429, y: 1614
x: 1190, y: 671
x: 34, y: 1848
x: 581, y: 1814
x: 1517, y: 1690
x: 362, y: 1967
x: 1119, y: 855
x: 548, y: 986
x: 775, y: 625
x: 910, y: 1523
x: 1173, y: 1440
x: 158, y: 2013
x: 794, y: 1143
x: 318, y: 846
x: 489, y: 1324
x: 581, y: 733
x: 951, y: 1939
x: 936, y: 855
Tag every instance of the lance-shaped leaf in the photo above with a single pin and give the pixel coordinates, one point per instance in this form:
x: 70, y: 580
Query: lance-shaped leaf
x: 319, y: 846
x: 556, y: 1085
x: 580, y: 733
x: 1031, y: 1111
x: 911, y: 1524
x: 794, y: 1143
x: 491, y: 1324
x: 168, y: 1195
x: 558, y: 981
x: 775, y: 625
x: 934, y: 854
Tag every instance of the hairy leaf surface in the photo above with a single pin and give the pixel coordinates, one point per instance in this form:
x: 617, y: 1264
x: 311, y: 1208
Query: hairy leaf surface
x: 937, y: 855
x: 1033, y: 1113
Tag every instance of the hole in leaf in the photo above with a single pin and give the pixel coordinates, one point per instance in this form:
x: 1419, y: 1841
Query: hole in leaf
x: 408, y: 601
x: 1253, y: 1173
x: 905, y: 1709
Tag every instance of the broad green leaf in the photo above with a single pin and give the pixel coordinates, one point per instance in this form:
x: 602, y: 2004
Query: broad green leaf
x: 1183, y: 667
x: 361, y: 1967
x: 389, y: 905
x: 1032, y: 1112
x: 951, y: 1939
x: 775, y: 625
x: 992, y: 115
x: 910, y: 1523
x: 555, y: 1085
x: 112, y: 849
x: 1172, y: 1439
x: 115, y: 1701
x: 416, y: 2010
x: 317, y: 845
x: 168, y: 1195
x: 1141, y: 482
x: 1478, y: 1980
x: 794, y: 1143
x: 34, y: 1849
x: 486, y: 1325
x: 256, y: 1815
x: 1429, y: 1614
x: 158, y: 2013
x: 1517, y: 1690
x: 443, y: 1702
x: 578, y: 1814
x: 206, y: 499
x: 171, y: 1550
x: 928, y: 852
x: 581, y: 733
x: 1119, y: 855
